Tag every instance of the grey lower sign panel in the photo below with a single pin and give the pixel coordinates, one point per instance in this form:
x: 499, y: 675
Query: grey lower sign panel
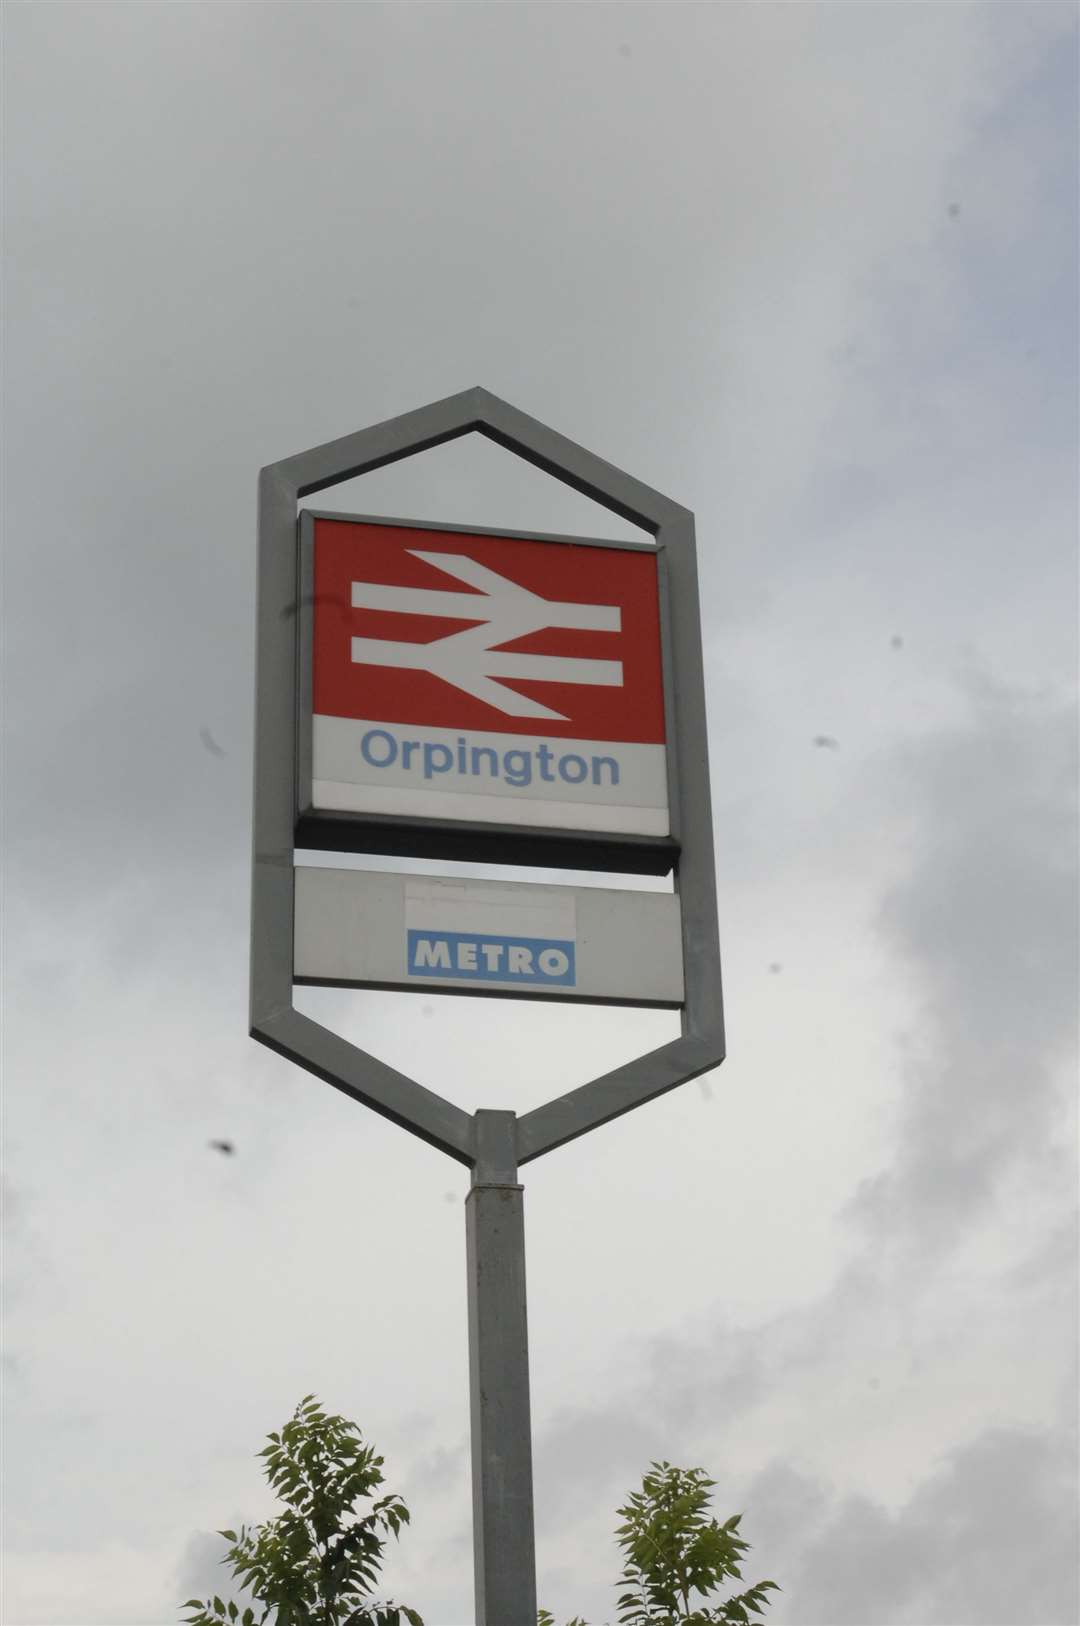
x: 361, y: 928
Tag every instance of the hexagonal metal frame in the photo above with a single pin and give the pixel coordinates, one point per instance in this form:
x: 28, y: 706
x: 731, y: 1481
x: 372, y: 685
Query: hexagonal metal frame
x: 274, y: 1020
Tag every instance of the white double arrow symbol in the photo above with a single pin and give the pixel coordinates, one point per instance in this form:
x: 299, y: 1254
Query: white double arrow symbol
x: 471, y: 660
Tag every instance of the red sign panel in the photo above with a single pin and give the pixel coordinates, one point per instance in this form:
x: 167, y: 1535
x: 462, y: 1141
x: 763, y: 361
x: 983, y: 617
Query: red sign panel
x: 448, y: 630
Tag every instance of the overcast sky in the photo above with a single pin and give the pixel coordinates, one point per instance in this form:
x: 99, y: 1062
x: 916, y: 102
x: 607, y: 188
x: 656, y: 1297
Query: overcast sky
x: 811, y: 271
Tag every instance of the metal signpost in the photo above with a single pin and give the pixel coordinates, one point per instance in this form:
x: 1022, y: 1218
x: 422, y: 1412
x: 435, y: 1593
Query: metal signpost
x: 504, y: 698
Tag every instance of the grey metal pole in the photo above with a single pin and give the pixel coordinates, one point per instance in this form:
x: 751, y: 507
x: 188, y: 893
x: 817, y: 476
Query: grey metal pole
x: 503, y: 1543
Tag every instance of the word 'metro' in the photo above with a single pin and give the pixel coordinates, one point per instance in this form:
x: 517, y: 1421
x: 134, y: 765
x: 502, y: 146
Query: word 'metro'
x: 517, y: 768
x: 466, y: 957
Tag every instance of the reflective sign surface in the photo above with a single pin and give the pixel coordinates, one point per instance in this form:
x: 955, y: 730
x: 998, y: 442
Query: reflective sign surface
x: 482, y: 677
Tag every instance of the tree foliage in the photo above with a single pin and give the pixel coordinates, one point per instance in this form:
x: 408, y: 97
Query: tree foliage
x: 675, y: 1555
x: 316, y: 1564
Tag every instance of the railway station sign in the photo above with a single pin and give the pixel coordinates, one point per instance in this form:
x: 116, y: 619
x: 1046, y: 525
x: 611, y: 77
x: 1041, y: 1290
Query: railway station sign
x: 445, y: 692
x: 481, y: 694
x: 439, y: 692
x: 486, y: 678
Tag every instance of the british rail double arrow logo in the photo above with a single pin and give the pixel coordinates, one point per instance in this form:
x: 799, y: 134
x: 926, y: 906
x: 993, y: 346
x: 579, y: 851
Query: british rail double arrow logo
x: 473, y: 660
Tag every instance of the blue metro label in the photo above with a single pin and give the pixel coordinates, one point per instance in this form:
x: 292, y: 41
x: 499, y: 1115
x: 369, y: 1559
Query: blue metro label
x: 544, y: 962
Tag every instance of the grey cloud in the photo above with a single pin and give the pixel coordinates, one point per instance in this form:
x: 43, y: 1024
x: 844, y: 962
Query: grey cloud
x: 986, y: 924
x: 200, y: 1572
x: 1053, y: 1263
x: 783, y: 1507
x: 12, y: 1201
x: 439, y: 1470
x: 583, y: 1458
x: 988, y: 1539
x: 27, y: 1266
x: 734, y: 1376
x: 674, y: 1402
